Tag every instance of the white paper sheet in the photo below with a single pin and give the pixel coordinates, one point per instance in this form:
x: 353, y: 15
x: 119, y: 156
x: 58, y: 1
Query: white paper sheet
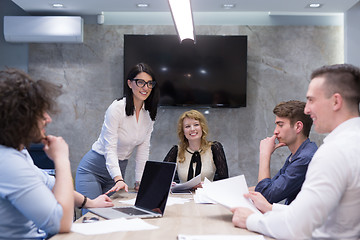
x: 109, y: 226
x: 170, y: 201
x: 230, y: 192
x: 176, y: 200
x: 220, y: 237
x: 200, y: 194
x: 201, y: 197
x: 187, y: 185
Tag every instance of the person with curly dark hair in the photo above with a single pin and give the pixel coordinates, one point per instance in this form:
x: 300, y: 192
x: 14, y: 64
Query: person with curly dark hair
x: 28, y: 207
x: 128, y: 124
x: 33, y: 204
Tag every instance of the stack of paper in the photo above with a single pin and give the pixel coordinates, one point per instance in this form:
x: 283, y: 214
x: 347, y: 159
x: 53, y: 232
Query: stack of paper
x: 220, y: 237
x: 229, y: 192
x: 201, y: 197
x: 179, y: 187
x: 109, y: 226
x: 200, y: 194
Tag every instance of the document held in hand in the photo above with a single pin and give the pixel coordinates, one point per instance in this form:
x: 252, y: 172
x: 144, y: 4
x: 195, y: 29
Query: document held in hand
x: 187, y: 185
x: 230, y: 192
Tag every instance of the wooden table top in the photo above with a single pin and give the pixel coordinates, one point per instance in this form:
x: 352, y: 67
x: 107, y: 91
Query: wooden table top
x: 189, y: 218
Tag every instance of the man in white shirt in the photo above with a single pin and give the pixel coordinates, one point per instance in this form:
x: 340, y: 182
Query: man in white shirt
x: 328, y: 204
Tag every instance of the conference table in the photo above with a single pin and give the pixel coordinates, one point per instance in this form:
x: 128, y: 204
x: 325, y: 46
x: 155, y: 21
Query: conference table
x: 189, y: 218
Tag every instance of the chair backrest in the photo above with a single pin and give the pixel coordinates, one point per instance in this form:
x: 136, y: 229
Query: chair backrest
x: 39, y: 157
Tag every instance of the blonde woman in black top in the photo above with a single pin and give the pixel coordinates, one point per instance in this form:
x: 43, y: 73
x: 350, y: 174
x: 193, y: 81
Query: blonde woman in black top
x: 195, y: 154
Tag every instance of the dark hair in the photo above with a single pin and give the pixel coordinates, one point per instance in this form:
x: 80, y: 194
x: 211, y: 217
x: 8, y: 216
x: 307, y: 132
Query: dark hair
x: 23, y: 103
x: 294, y: 110
x: 152, y: 101
x: 343, y: 79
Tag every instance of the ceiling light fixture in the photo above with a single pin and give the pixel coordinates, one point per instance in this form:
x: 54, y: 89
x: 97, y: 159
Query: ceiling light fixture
x: 142, y: 5
x: 183, y: 19
x: 314, y: 5
x: 57, y: 5
x: 228, y: 6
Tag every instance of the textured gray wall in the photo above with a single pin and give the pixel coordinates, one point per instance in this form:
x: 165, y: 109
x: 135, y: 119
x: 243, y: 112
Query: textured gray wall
x: 280, y: 60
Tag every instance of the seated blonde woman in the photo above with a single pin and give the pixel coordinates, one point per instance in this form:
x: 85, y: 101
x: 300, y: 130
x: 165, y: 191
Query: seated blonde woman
x: 195, y: 154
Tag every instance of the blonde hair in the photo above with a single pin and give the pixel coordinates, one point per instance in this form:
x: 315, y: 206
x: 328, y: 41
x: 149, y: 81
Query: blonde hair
x: 183, y: 142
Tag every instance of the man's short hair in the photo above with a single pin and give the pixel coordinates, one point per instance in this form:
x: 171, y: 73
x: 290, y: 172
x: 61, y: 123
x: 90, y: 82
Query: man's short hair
x: 294, y: 111
x: 343, y: 79
x: 23, y: 103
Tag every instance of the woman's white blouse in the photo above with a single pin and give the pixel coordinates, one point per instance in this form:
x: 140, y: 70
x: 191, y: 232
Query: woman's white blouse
x: 119, y: 136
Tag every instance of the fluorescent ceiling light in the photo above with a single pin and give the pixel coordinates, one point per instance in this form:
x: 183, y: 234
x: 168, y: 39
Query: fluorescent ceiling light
x: 57, y: 5
x: 228, y: 6
x: 142, y: 5
x: 314, y: 5
x: 182, y: 16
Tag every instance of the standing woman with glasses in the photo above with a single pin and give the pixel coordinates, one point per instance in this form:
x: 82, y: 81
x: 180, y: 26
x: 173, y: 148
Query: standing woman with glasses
x: 128, y: 124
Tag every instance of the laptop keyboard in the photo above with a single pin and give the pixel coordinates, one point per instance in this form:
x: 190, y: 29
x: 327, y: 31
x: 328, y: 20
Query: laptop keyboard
x: 131, y: 211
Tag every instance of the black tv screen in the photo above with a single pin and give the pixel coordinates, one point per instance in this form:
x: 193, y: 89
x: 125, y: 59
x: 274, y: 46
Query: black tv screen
x: 208, y: 73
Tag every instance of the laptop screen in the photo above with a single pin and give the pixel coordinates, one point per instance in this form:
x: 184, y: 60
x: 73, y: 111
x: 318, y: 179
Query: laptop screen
x: 155, y: 186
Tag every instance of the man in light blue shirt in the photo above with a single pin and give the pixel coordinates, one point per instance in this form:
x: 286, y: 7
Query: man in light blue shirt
x: 33, y: 204
x: 28, y: 208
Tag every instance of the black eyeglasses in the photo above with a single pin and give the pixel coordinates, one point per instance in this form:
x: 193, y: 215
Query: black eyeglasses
x: 141, y: 83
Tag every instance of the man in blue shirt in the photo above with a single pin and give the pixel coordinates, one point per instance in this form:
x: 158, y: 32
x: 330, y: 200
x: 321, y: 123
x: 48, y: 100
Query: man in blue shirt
x: 292, y: 130
x: 33, y: 204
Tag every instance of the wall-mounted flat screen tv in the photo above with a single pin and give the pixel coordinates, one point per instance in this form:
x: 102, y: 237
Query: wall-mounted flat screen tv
x: 210, y: 73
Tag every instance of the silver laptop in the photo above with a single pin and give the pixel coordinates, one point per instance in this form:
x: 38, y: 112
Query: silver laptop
x: 152, y: 195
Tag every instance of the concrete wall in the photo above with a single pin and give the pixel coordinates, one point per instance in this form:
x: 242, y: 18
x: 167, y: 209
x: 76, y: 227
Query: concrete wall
x: 280, y: 60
